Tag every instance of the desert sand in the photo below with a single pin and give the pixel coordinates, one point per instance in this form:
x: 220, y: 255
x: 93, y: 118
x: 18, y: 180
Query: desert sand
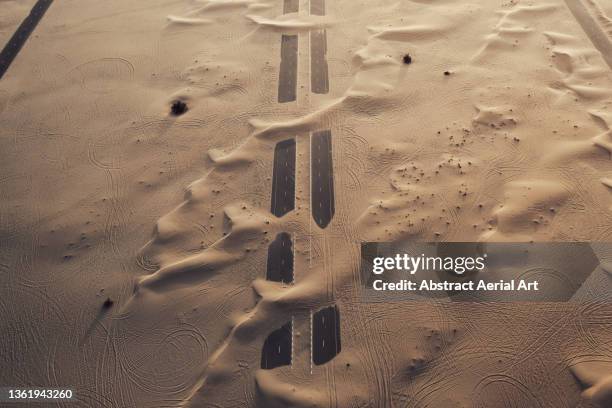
x: 134, y: 241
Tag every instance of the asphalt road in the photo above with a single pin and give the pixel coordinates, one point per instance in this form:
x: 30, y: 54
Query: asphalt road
x: 322, y: 178
x: 291, y: 6
x: 319, y: 72
x: 325, y: 335
x: 19, y: 38
x: 277, y: 348
x: 283, y: 178
x: 287, y: 81
x: 280, y: 259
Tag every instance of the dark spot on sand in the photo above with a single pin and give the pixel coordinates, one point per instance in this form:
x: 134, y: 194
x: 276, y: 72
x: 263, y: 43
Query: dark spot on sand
x: 407, y: 59
x: 178, y: 108
x: 108, y: 303
x: 447, y: 73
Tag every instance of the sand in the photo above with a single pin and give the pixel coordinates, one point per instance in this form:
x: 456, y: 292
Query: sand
x: 108, y: 195
x: 12, y: 14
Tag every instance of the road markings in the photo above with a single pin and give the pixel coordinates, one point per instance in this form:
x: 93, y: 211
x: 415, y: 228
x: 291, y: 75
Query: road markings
x: 319, y: 71
x: 283, y: 178
x: 325, y: 335
x: 324, y: 324
x: 322, y: 178
x: 287, y: 81
x: 280, y: 259
x: 277, y: 348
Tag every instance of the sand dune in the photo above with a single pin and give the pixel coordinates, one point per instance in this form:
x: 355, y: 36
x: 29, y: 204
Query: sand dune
x: 291, y: 24
x: 187, y: 20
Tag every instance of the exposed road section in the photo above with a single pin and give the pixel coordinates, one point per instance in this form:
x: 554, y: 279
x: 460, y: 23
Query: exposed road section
x: 322, y: 178
x: 287, y: 81
x: 283, y: 178
x: 280, y: 259
x: 319, y: 72
x: 325, y: 324
x: 12, y: 48
x: 317, y: 7
x: 325, y: 335
x: 598, y: 36
x: 277, y: 348
x: 291, y: 6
